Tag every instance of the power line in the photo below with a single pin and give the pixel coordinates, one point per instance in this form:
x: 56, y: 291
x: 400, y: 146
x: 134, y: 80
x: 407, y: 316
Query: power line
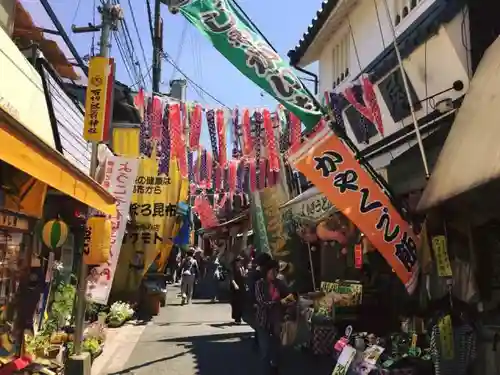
x: 134, y: 21
x: 179, y: 48
x: 122, y: 54
x: 169, y: 60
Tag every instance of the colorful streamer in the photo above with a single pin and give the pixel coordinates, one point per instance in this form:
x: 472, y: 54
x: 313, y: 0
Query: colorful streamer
x: 196, y: 120
x: 295, y: 132
x: 165, y: 145
x: 272, y: 152
x: 247, y: 133
x: 370, y: 99
x: 221, y: 134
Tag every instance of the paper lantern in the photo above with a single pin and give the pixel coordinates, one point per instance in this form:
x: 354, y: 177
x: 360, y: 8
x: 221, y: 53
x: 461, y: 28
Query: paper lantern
x: 97, y: 241
x: 54, y: 233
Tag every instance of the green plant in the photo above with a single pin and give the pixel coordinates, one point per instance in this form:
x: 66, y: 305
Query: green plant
x: 37, y: 344
x: 62, y: 306
x: 120, y: 312
x: 91, y: 345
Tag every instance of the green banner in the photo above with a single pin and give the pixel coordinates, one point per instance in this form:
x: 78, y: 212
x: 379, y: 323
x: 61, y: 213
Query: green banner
x: 261, y: 242
x: 233, y: 36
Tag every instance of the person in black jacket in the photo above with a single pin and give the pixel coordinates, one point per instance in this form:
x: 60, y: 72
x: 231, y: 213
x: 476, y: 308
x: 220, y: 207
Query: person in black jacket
x: 271, y: 303
x: 254, y: 275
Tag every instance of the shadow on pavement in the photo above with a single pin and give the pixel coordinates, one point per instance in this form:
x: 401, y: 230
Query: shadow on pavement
x: 130, y: 370
x: 233, y: 353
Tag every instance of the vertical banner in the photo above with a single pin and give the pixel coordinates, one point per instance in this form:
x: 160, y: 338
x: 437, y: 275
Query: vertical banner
x: 99, y: 99
x: 236, y: 40
x: 119, y: 176
x: 153, y: 213
x: 259, y: 224
x: 331, y: 166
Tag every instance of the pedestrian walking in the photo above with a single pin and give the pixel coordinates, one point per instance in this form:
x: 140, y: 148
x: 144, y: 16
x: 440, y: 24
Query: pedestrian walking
x: 254, y: 275
x: 189, y: 272
x: 237, y: 289
x: 271, y: 303
x: 213, y: 277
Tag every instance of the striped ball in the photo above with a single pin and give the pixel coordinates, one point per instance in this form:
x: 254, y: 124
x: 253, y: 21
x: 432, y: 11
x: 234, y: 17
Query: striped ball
x: 54, y: 233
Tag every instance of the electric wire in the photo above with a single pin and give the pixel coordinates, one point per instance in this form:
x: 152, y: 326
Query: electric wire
x: 129, y: 46
x: 195, y: 50
x: 170, y: 61
x: 179, y: 49
x: 379, y: 23
x: 134, y: 21
x: 75, y: 14
x: 127, y: 58
x: 150, y: 20
x: 124, y: 59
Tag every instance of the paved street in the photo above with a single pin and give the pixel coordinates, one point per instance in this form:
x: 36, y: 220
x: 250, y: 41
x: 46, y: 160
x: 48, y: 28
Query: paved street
x: 188, y: 340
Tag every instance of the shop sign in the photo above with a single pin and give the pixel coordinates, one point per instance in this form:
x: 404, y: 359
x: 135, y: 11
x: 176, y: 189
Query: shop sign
x: 315, y: 207
x: 9, y: 221
x: 119, y: 181
x: 332, y: 167
x: 99, y: 99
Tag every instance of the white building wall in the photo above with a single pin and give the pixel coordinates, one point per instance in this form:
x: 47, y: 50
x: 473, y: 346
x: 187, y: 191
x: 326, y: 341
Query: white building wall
x: 431, y: 68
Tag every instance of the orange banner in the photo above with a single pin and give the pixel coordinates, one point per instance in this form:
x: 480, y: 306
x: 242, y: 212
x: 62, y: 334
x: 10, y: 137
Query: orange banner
x: 330, y: 165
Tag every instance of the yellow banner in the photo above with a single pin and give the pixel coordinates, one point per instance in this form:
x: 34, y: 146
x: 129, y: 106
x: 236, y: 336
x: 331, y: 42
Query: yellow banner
x: 153, y: 213
x: 99, y: 99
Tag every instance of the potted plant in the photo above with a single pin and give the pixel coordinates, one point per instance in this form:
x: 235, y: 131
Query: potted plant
x: 119, y: 313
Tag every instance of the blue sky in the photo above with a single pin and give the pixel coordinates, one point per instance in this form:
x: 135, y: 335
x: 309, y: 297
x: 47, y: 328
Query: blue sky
x: 282, y: 21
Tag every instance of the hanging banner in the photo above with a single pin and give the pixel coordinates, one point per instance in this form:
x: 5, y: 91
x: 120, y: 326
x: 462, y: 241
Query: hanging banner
x: 330, y: 165
x: 99, y: 99
x: 234, y: 38
x: 153, y: 213
x: 119, y: 176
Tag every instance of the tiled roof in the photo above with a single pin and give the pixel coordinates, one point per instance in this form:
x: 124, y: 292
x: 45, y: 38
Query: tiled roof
x: 312, y: 31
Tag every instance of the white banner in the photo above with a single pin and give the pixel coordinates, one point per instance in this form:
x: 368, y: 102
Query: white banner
x: 119, y: 178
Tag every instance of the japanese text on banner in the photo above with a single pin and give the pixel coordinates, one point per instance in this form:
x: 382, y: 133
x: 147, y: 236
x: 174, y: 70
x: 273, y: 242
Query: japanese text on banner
x: 153, y: 213
x: 331, y: 167
x: 119, y: 177
x: 98, y: 101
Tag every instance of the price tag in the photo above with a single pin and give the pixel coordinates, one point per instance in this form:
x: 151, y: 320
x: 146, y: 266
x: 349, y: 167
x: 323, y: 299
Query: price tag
x: 446, y: 338
x: 344, y: 361
x: 372, y: 354
x: 440, y: 248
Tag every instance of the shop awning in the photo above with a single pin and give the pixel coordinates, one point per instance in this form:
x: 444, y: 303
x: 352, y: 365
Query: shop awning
x: 470, y: 156
x: 25, y: 151
x: 309, y: 207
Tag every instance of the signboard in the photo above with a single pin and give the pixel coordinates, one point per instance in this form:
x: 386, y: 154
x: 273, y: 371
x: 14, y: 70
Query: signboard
x: 332, y: 167
x: 99, y: 99
x: 119, y: 177
x: 10, y: 221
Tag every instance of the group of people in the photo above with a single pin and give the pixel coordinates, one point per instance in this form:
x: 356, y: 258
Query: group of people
x: 192, y: 267
x: 260, y: 295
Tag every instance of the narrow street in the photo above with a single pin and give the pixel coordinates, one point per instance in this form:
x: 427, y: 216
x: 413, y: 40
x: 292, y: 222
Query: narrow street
x: 187, y: 340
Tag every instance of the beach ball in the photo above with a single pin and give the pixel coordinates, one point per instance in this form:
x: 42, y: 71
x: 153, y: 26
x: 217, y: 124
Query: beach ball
x: 54, y: 233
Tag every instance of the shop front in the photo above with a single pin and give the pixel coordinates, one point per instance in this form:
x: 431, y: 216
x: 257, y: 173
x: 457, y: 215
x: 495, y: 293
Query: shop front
x: 30, y: 166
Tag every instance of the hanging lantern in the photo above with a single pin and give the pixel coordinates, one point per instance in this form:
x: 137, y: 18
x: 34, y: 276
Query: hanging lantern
x: 54, y: 233
x: 97, y: 241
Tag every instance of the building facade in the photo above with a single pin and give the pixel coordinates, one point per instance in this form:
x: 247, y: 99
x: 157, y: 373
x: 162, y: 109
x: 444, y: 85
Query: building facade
x: 353, y: 37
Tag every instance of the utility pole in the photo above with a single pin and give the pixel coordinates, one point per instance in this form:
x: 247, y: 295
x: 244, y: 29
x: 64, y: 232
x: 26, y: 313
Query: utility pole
x: 157, y: 46
x: 110, y: 15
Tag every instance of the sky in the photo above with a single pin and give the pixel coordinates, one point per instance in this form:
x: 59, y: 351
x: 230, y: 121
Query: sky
x: 282, y: 21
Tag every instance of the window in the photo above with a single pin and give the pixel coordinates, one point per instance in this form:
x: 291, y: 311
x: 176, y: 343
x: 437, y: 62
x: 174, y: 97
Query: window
x: 341, y: 60
x: 402, y: 8
x: 394, y: 94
